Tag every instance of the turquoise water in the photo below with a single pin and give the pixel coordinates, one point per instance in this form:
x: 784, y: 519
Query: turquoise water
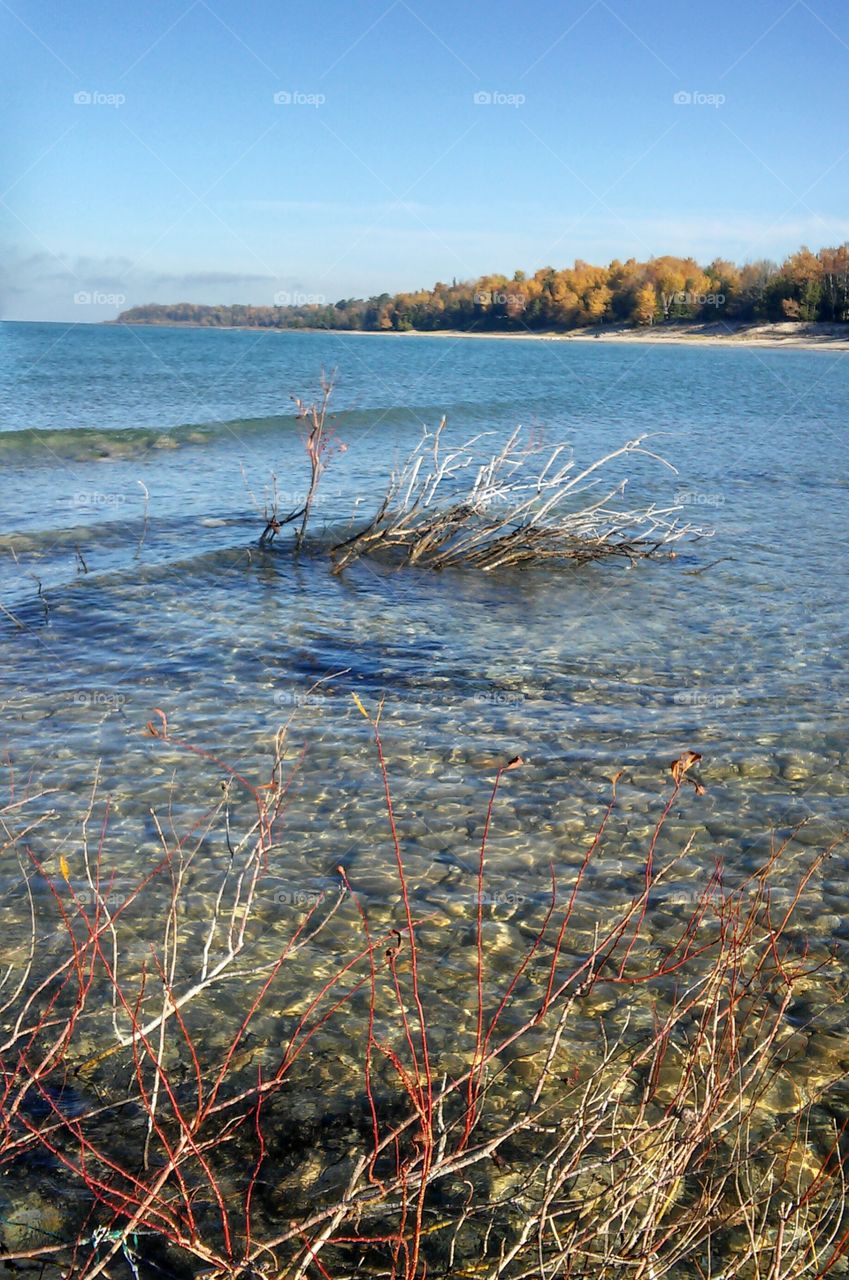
x: 736, y: 648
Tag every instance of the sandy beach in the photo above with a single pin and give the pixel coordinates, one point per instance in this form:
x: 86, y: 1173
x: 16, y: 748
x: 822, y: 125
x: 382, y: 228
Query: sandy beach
x: 831, y: 337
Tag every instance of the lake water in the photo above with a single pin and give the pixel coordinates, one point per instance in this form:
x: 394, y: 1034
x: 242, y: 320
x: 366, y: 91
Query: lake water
x: 135, y: 467
x: 736, y: 648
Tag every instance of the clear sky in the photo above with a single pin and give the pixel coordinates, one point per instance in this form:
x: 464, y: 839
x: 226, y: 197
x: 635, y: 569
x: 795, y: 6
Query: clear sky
x: 214, y: 151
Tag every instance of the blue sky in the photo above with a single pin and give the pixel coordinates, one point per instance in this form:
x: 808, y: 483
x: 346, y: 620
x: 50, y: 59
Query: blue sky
x: 210, y: 151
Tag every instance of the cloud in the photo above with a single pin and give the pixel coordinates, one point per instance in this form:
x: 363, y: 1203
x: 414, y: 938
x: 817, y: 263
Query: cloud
x: 50, y: 286
x: 201, y: 279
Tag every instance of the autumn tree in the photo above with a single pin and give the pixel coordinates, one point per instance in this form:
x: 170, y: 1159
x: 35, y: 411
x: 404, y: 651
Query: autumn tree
x: 645, y: 305
x: 801, y: 277
x: 724, y: 277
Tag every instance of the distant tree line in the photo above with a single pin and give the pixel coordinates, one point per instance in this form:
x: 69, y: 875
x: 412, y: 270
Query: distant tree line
x: 806, y: 286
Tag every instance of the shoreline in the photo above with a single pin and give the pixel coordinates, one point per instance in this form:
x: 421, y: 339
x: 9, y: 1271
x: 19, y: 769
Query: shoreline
x: 793, y: 335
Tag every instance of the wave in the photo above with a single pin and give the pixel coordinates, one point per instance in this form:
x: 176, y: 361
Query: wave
x: 47, y: 446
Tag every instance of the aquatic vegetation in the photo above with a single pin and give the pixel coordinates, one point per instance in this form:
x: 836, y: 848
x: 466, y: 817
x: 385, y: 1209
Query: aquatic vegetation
x: 464, y: 1133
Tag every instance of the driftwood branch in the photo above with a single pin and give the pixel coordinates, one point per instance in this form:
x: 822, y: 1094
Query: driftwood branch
x: 525, y: 504
x: 316, y: 443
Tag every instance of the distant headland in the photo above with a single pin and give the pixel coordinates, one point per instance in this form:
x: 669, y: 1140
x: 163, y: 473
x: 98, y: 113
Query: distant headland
x: 804, y: 298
